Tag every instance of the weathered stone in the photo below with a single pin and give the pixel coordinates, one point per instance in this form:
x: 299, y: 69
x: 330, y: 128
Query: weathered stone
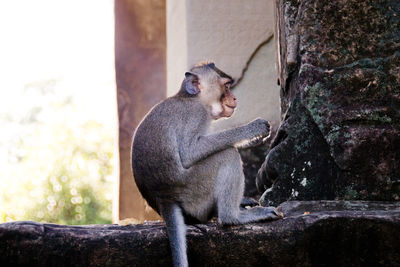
x: 313, y: 233
x: 340, y: 138
x: 312, y: 175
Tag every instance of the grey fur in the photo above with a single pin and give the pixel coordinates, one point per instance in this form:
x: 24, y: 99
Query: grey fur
x: 176, y: 230
x: 184, y: 172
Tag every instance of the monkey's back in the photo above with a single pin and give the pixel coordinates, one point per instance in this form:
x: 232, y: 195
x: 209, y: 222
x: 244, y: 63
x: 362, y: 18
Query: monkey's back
x: 156, y: 161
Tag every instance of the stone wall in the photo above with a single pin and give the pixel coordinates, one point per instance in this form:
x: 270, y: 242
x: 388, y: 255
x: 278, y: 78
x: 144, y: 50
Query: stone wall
x: 339, y: 74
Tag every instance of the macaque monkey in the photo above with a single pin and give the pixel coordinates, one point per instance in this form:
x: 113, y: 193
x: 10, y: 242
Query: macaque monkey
x: 186, y: 173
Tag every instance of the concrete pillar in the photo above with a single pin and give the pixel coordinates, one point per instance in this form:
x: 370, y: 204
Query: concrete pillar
x: 140, y: 39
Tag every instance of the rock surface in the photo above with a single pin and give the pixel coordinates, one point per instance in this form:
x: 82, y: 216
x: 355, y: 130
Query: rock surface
x: 339, y: 73
x: 313, y: 233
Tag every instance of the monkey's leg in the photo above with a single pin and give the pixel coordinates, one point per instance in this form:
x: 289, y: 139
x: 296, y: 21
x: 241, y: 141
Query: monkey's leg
x: 176, y: 230
x: 229, y: 192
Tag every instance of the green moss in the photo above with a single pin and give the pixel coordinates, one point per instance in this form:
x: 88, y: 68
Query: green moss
x: 383, y: 119
x: 333, y: 134
x: 375, y: 116
x: 316, y: 100
x: 350, y: 193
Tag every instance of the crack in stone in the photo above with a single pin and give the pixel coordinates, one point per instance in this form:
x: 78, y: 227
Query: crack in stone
x: 263, y: 43
x: 368, y: 63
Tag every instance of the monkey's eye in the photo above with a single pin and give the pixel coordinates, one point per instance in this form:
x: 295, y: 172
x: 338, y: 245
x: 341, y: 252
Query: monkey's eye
x: 227, y: 85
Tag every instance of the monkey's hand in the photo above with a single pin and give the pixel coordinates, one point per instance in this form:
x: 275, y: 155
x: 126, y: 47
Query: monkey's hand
x: 259, y: 128
x: 258, y: 140
x: 253, y: 142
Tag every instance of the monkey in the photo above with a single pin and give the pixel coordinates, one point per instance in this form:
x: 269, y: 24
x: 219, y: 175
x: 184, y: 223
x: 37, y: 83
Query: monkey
x: 185, y: 172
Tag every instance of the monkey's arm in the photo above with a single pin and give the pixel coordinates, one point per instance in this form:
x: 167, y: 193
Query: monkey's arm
x: 201, y: 147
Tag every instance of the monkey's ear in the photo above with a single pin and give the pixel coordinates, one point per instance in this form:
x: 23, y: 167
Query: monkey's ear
x: 192, y: 83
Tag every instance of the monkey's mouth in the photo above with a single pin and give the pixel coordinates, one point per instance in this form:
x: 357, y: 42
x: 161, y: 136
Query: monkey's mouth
x: 231, y: 107
x: 228, y: 110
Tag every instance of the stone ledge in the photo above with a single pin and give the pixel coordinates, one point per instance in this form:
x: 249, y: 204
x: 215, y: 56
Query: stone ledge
x: 313, y: 233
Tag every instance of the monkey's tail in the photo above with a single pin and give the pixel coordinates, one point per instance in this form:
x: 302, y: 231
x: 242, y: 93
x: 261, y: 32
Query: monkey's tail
x: 176, y: 230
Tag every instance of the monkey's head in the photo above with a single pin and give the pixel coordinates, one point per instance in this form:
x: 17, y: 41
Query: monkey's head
x: 212, y: 87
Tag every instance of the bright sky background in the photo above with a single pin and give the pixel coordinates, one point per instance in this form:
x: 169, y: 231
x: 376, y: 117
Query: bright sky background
x: 68, y: 41
x: 71, y: 41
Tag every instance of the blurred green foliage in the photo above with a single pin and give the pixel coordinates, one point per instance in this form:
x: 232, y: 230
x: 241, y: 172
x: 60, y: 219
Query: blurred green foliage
x: 57, y: 164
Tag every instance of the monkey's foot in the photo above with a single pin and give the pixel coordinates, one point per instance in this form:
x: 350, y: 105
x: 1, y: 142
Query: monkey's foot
x: 275, y: 211
x: 266, y: 213
x: 256, y: 214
